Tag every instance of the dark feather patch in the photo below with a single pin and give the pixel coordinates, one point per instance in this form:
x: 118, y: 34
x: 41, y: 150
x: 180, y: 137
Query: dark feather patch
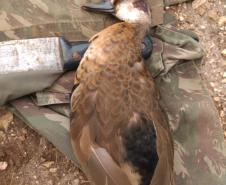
x: 140, y: 145
x: 141, y: 5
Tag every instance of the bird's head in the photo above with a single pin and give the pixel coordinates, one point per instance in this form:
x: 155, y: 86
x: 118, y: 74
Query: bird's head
x: 131, y: 11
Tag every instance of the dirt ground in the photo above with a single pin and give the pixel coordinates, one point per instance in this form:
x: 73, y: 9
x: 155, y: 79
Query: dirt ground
x: 26, y: 158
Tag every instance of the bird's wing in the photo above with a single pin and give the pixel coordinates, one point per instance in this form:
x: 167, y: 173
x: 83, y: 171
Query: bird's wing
x: 113, y: 85
x: 115, y: 42
x: 164, y: 174
x: 96, y: 144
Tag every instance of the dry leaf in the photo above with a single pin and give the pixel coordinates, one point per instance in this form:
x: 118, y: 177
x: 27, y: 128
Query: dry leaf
x: 6, y: 118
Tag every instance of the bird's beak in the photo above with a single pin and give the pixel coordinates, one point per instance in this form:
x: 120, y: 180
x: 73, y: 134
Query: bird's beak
x: 102, y: 7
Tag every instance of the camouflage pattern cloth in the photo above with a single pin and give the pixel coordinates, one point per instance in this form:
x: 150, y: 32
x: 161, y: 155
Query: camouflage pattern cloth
x: 173, y: 2
x: 200, y: 151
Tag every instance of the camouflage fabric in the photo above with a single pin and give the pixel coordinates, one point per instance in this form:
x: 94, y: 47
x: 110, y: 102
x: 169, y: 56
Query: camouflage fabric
x: 199, y: 144
x: 39, y: 18
x: 173, y: 2
x: 200, y: 152
x: 58, y: 93
x: 35, y: 18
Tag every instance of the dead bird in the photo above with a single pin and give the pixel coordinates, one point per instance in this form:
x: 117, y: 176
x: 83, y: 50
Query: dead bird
x: 119, y: 133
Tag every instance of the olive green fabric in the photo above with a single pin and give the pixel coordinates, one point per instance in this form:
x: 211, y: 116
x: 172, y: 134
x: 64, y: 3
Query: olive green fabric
x: 199, y: 146
x: 58, y: 93
x: 178, y: 48
x: 39, y: 18
x: 42, y: 18
x: 173, y: 2
x: 15, y: 85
